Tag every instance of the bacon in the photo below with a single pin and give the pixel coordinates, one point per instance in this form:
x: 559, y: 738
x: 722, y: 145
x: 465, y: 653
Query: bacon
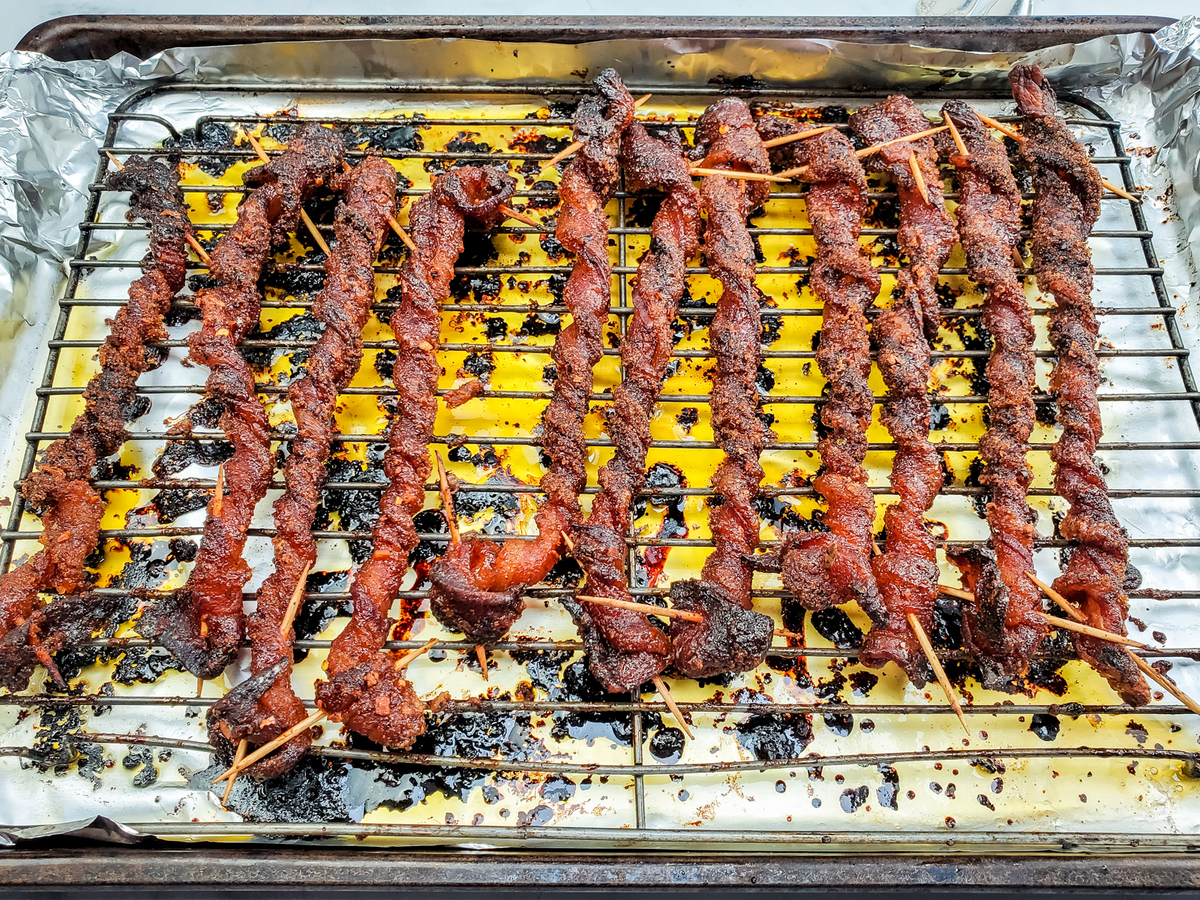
x: 906, y: 573
x: 364, y: 691
x: 732, y: 636
x: 1065, y: 209
x: 202, y: 622
x: 343, y: 305
x: 829, y: 568
x: 1001, y: 626
x: 477, y: 586
x: 624, y: 649
x: 60, y: 488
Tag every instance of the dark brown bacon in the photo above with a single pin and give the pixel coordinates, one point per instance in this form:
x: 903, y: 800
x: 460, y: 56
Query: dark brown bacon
x: 202, y: 622
x: 624, y: 649
x: 1001, y: 627
x: 364, y: 691
x: 59, y: 489
x: 477, y: 586
x: 906, y: 573
x: 343, y: 305
x: 732, y: 636
x: 1065, y: 209
x: 833, y: 567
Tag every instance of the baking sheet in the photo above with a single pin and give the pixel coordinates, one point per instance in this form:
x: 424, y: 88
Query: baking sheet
x: 1150, y: 83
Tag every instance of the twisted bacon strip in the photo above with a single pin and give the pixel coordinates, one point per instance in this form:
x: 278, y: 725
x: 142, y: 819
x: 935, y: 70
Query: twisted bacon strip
x: 364, y: 691
x: 1065, y: 209
x: 732, y: 636
x: 202, y: 622
x: 59, y: 489
x: 624, y: 649
x: 1001, y: 626
x: 343, y: 305
x: 477, y: 585
x: 907, y: 572
x: 824, y: 569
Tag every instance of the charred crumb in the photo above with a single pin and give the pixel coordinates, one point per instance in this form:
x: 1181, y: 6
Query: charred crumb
x: 687, y: 418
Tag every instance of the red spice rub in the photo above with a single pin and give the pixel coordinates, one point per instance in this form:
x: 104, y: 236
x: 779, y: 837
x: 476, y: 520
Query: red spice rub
x: 364, y: 691
x: 906, y: 572
x: 477, y: 585
x: 732, y: 636
x: 343, y: 305
x: 624, y: 649
x: 1001, y: 626
x: 1065, y: 209
x: 202, y: 623
x: 59, y: 489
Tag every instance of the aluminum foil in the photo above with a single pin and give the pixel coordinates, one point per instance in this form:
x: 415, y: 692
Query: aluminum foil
x: 52, y: 120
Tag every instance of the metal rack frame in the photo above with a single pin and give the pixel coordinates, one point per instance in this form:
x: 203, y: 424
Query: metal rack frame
x: 635, y: 707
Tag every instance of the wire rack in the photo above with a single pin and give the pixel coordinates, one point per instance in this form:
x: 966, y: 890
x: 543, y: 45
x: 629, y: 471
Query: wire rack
x: 1139, y: 277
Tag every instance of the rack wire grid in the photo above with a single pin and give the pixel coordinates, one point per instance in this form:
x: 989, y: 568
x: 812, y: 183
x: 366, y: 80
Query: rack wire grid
x: 800, y: 684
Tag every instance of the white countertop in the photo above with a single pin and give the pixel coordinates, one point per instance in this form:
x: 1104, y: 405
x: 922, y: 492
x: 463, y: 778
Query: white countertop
x: 20, y: 17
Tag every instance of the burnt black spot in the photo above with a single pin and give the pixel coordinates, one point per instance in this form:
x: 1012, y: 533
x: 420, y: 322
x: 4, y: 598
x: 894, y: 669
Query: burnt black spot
x: 774, y: 737
x: 666, y: 745
x: 539, y: 325
x: 687, y: 418
x: 853, y: 798
x: 889, y: 792
x: 835, y: 626
x: 396, y: 135
x: 356, y: 509
x: 1044, y: 726
x: 212, y: 136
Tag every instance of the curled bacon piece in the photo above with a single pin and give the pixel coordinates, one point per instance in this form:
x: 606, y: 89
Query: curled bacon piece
x: 364, y: 691
x: 624, y: 649
x: 732, y: 636
x: 1065, y: 209
x: 1001, y: 627
x: 833, y: 567
x: 343, y: 305
x: 59, y: 488
x: 477, y: 586
x: 906, y: 573
x: 202, y: 622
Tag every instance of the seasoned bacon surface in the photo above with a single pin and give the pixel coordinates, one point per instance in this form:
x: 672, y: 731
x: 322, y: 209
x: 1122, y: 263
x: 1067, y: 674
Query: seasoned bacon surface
x: 1065, y: 209
x: 364, y: 691
x: 202, y: 622
x: 59, y: 489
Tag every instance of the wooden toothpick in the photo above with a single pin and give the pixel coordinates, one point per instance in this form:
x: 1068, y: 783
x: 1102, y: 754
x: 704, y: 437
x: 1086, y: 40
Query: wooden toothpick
x: 670, y: 701
x: 648, y: 608
x: 923, y: 639
x: 1166, y: 683
x: 915, y: 165
x: 958, y: 141
x: 798, y: 136
x: 218, y: 501
x: 408, y: 657
x: 874, y: 148
x: 447, y: 501
x: 402, y: 234
x: 294, y: 604
x: 266, y: 748
x: 238, y: 755
x: 481, y: 653
x: 1063, y: 603
x: 520, y: 217
x: 740, y: 176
